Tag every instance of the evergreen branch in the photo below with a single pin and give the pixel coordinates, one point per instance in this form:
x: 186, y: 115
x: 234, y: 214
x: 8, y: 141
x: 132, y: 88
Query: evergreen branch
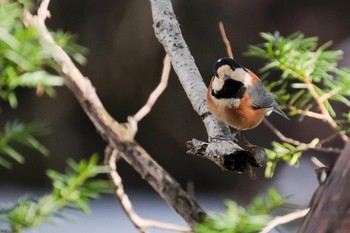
x: 24, y: 61
x: 74, y: 188
x: 238, y: 219
x: 23, y: 134
x: 308, y: 146
x: 300, y: 59
x: 323, y: 109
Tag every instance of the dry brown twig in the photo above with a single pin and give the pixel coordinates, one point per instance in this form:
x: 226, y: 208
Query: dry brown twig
x: 307, y: 113
x: 319, y: 100
x: 116, y: 134
x: 225, y: 40
x: 298, y: 143
x: 279, y: 220
x: 112, y: 157
x: 133, y: 120
x: 317, y: 162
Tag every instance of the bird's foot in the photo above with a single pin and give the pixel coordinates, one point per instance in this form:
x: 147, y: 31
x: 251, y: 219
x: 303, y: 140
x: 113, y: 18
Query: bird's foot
x: 226, y: 137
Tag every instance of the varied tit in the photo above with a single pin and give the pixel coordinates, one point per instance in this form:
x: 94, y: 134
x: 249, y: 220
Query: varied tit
x: 237, y: 96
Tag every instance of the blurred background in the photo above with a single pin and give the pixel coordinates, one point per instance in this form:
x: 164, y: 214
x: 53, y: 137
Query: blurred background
x: 124, y: 64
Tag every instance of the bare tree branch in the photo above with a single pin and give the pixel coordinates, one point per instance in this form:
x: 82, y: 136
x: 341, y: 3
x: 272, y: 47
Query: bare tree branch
x: 279, y: 220
x: 227, y: 154
x: 294, y: 142
x: 111, y: 157
x: 113, y: 132
x: 133, y: 120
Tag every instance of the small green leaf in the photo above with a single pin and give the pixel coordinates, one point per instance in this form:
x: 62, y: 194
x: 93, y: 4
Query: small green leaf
x: 12, y: 153
x: 5, y: 163
x: 12, y: 100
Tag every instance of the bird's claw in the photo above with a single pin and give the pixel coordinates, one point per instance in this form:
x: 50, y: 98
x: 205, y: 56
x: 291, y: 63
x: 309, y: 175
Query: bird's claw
x: 226, y: 137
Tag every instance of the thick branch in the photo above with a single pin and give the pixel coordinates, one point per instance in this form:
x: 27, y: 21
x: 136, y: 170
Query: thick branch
x: 116, y: 134
x: 168, y: 32
x: 330, y: 204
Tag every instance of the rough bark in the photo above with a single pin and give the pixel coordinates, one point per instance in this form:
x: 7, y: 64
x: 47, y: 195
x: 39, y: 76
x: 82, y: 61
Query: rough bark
x: 226, y: 154
x: 113, y: 132
x: 330, y: 204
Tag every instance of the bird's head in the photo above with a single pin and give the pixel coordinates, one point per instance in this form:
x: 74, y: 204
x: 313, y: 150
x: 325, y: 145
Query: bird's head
x: 229, y: 71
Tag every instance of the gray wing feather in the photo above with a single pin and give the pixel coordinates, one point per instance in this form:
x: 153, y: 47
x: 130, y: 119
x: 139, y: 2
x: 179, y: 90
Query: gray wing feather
x: 260, y: 97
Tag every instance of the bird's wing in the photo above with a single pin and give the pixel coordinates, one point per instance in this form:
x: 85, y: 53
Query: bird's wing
x: 261, y: 98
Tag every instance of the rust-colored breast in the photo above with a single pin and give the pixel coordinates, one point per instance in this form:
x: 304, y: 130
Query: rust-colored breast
x: 244, y: 117
x: 239, y: 115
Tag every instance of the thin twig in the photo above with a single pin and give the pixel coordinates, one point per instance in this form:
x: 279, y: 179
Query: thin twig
x: 112, y: 157
x: 317, y: 162
x: 225, y: 40
x: 298, y: 143
x: 308, y: 113
x: 284, y: 219
x: 43, y: 11
x: 328, y: 139
x: 133, y: 120
x: 323, y: 108
x: 328, y: 95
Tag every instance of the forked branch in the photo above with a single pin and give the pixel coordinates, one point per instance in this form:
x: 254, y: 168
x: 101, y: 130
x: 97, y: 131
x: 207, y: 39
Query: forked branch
x: 133, y: 120
x: 115, y: 134
x: 112, y: 157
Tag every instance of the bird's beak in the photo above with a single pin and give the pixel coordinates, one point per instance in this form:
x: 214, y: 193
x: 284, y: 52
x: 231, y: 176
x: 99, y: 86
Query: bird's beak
x: 226, y: 77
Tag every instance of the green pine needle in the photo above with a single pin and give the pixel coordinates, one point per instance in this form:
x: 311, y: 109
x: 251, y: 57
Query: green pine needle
x: 238, y: 219
x: 72, y: 189
x: 16, y: 132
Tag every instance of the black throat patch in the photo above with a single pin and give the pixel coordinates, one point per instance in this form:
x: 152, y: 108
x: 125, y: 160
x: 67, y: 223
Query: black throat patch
x: 231, y: 89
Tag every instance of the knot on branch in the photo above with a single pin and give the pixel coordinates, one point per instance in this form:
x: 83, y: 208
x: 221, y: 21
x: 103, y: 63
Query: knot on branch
x: 228, y: 155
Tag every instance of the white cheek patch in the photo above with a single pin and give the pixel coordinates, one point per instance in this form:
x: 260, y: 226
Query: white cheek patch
x: 242, y: 76
x: 217, y: 84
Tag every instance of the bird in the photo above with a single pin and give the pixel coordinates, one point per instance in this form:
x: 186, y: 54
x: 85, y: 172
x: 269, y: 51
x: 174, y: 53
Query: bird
x: 237, y: 96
